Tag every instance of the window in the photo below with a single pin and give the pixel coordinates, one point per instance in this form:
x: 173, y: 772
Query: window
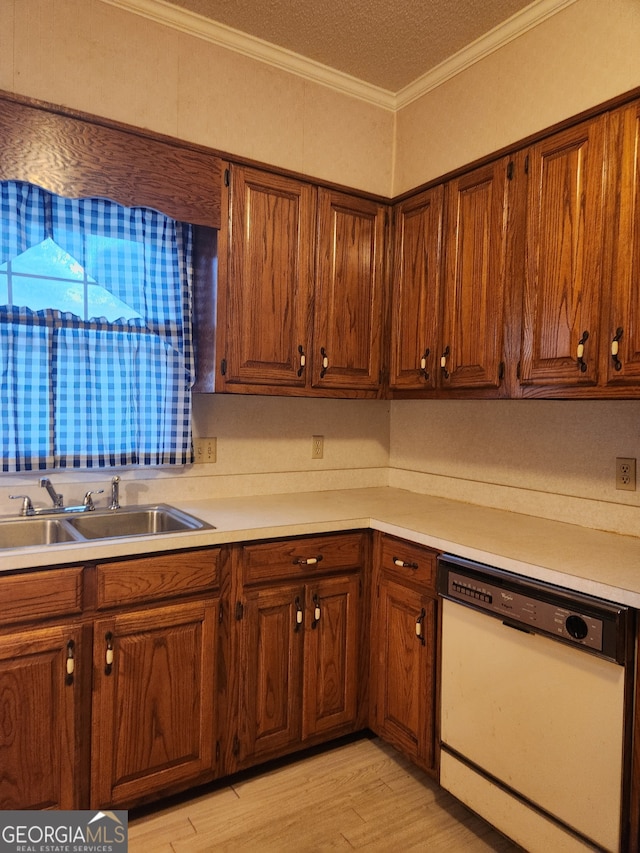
x: 96, y: 355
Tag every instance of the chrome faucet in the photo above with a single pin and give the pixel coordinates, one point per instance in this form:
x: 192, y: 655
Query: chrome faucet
x: 115, y: 493
x: 55, y: 497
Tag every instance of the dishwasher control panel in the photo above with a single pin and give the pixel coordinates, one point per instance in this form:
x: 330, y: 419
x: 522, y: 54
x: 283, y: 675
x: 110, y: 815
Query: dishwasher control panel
x: 529, y: 612
x: 574, y: 618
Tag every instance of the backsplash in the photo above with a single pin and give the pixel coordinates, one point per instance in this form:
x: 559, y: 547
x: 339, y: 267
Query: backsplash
x: 554, y: 459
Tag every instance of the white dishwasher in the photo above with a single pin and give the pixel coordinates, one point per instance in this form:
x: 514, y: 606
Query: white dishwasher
x: 533, y: 726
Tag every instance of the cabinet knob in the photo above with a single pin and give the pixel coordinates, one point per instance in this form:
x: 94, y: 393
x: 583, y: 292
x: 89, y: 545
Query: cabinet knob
x: 303, y: 360
x: 108, y: 658
x: 423, y: 363
x: 307, y: 561
x: 443, y: 362
x: 71, y: 662
x: 402, y: 564
x: 316, y: 610
x: 325, y: 362
x: 617, y: 364
x: 582, y: 365
x: 420, y: 626
x: 299, y: 615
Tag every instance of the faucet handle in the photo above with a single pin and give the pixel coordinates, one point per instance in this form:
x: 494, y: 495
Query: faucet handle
x: 88, y: 501
x: 27, y: 506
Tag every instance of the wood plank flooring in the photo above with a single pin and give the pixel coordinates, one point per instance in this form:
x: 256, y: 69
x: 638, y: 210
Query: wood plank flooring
x: 360, y: 795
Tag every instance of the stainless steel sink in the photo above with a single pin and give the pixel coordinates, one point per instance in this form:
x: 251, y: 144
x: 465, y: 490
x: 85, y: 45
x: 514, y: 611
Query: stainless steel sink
x: 134, y: 521
x: 25, y: 532
x: 97, y: 524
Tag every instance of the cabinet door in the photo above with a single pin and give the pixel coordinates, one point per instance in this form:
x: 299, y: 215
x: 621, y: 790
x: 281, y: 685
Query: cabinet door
x: 416, y: 291
x: 347, y: 348
x: 266, y: 313
x: 623, y: 329
x: 474, y: 279
x: 39, y: 702
x: 404, y: 655
x: 331, y: 669
x: 564, y: 246
x: 271, y: 654
x: 152, y: 716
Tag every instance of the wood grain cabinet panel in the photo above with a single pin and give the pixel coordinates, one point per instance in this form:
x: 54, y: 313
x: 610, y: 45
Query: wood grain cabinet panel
x: 271, y: 662
x: 621, y: 331
x: 349, y: 292
x: 300, y: 302
x: 40, y: 702
x: 472, y: 337
x: 405, y: 663
x: 564, y: 258
x: 416, y: 280
x: 153, y: 692
x: 266, y: 297
x: 404, y: 648
x: 330, y: 693
x: 299, y: 644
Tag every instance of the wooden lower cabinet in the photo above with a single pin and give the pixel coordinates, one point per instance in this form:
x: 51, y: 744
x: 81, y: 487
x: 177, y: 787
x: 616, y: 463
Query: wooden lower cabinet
x: 152, y: 710
x: 40, y: 699
x: 299, y: 644
x: 403, y: 650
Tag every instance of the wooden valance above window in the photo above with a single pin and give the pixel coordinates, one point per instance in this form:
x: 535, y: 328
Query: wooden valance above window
x: 79, y: 157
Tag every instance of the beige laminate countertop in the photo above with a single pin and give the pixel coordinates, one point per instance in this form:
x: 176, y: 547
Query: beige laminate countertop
x: 578, y: 558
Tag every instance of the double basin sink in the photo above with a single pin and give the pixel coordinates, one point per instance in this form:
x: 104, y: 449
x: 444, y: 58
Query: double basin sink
x: 31, y: 531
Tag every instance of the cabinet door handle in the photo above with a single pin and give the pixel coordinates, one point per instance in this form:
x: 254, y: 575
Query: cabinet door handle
x: 423, y: 363
x: 420, y: 626
x: 443, y: 362
x: 299, y: 614
x: 325, y: 362
x: 307, y: 561
x: 617, y: 364
x: 582, y: 365
x: 303, y: 360
x: 71, y: 662
x: 316, y: 610
x: 402, y: 564
x: 108, y: 658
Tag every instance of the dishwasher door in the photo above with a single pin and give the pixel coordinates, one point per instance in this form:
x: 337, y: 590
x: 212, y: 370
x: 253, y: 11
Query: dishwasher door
x: 532, y: 733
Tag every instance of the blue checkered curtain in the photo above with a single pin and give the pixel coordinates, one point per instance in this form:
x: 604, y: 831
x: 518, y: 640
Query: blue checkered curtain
x: 96, y: 353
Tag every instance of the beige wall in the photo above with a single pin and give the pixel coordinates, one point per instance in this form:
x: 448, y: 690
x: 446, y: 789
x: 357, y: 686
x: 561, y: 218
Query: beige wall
x: 580, y: 57
x: 103, y: 60
x: 553, y: 458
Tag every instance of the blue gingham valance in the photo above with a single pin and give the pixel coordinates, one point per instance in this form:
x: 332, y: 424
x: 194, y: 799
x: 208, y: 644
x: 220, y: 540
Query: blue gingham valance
x: 96, y: 354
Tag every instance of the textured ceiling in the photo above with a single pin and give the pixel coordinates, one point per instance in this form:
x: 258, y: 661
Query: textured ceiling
x: 387, y: 43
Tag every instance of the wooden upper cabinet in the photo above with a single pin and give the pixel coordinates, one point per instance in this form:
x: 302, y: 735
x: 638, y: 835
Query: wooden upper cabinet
x: 415, y: 322
x: 564, y: 246
x: 621, y: 331
x: 349, y: 292
x: 267, y: 296
x: 474, y: 279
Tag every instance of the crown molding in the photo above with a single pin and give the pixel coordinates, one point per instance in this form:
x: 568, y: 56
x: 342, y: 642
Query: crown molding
x: 164, y: 13
x: 490, y: 42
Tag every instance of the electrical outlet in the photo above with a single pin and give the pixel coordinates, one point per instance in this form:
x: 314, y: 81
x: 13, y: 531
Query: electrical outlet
x: 626, y: 474
x: 317, y: 446
x: 205, y: 449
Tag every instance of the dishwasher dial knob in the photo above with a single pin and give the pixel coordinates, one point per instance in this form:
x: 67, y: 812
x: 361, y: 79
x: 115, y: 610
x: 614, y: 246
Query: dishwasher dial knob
x: 577, y: 627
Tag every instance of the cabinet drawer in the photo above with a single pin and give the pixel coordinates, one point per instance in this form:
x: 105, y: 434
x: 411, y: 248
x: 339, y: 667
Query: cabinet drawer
x: 40, y: 595
x: 297, y: 557
x: 406, y: 561
x: 158, y: 577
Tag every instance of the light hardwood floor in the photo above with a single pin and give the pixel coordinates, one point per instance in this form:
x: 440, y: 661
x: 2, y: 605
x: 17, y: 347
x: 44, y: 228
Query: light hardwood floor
x: 357, y: 796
